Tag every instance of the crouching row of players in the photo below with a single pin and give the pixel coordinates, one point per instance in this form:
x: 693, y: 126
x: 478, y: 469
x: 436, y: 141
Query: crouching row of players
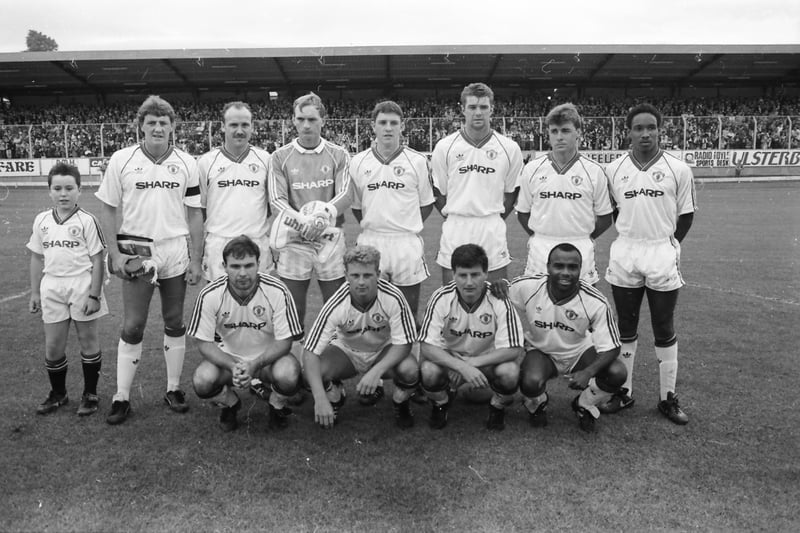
x: 470, y: 335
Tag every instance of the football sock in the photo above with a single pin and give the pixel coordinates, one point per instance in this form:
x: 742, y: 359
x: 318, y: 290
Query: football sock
x: 57, y: 372
x: 532, y: 404
x: 501, y: 401
x: 592, y: 396
x: 128, y: 356
x: 627, y: 354
x: 227, y: 397
x: 91, y: 371
x: 174, y: 352
x: 667, y: 368
x: 439, y: 397
x: 278, y: 400
x: 401, y: 394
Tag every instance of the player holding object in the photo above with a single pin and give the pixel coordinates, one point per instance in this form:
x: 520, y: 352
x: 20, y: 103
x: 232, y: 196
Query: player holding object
x: 563, y: 196
x: 469, y: 336
x: 655, y: 198
x: 310, y: 169
x: 569, y: 331
x: 156, y: 186
x: 392, y: 197
x: 244, y: 324
x: 366, y: 328
x: 233, y: 191
x: 475, y: 173
x: 67, y: 249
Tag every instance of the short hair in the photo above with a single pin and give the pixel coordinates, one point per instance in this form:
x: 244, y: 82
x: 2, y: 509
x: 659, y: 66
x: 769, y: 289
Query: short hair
x: 310, y: 99
x: 64, y: 169
x: 387, y: 106
x: 565, y: 247
x: 468, y: 256
x: 642, y: 108
x: 235, y: 105
x: 363, y: 254
x: 240, y: 247
x: 156, y: 106
x: 477, y: 89
x: 562, y: 114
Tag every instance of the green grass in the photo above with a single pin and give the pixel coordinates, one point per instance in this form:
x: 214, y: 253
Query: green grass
x: 736, y: 466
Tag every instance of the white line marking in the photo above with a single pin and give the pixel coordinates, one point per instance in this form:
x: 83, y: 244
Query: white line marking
x: 745, y: 294
x: 14, y: 297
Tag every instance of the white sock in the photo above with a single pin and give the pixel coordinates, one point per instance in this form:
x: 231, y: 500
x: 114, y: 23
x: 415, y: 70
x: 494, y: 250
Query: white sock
x: 401, y: 394
x: 592, y: 396
x: 128, y: 356
x: 174, y: 352
x: 438, y: 397
x: 278, y: 400
x: 501, y: 401
x: 627, y: 354
x: 667, y: 369
x: 532, y: 404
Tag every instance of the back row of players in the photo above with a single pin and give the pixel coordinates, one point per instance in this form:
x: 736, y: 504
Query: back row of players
x: 550, y: 324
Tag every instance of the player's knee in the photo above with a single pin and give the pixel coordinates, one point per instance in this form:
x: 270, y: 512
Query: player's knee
x: 434, y: 377
x: 664, y: 332
x: 506, y: 377
x: 407, y: 373
x: 174, y: 330
x: 531, y: 382
x: 286, y: 375
x: 205, y: 379
x: 613, y: 377
x: 133, y: 334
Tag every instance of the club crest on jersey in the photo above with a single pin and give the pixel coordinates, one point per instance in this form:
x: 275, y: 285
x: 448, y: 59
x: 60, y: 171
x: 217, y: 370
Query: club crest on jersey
x: 325, y: 169
x: 576, y: 180
x: 253, y: 167
x: 258, y: 310
x: 172, y: 169
x: 459, y: 157
x: 485, y: 318
x: 377, y: 317
x: 226, y: 314
x: 350, y: 323
x: 491, y: 154
x: 572, y: 315
x: 658, y: 176
x: 294, y: 171
x: 398, y: 171
x: 74, y: 231
x: 538, y: 308
x: 624, y: 179
x: 368, y: 172
x: 221, y: 169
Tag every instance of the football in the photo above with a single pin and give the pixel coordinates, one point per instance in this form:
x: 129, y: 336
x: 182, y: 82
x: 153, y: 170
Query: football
x: 316, y: 208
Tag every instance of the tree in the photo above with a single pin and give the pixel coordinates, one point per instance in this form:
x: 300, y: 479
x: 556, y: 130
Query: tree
x: 39, y: 42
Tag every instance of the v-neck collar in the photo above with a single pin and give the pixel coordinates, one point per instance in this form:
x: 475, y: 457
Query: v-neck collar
x: 480, y: 142
x: 563, y: 169
x: 387, y: 160
x: 232, y: 157
x: 648, y: 164
x: 60, y: 220
x: 154, y: 159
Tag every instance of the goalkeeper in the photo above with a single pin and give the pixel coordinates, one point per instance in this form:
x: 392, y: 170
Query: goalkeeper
x: 309, y: 184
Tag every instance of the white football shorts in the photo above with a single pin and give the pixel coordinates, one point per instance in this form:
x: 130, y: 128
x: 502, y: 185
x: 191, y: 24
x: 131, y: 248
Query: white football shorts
x: 488, y: 232
x: 539, y: 247
x: 644, y: 263
x: 402, y: 256
x: 63, y: 298
x: 212, y: 255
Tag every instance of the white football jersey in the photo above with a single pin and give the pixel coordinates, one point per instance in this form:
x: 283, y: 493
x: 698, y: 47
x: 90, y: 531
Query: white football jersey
x: 563, y: 201
x: 490, y: 324
x: 475, y: 177
x: 650, y: 197
x: 152, y: 191
x: 244, y: 327
x: 389, y: 192
x: 233, y: 191
x: 565, y: 328
x: 299, y: 175
x: 387, y: 321
x: 67, y: 245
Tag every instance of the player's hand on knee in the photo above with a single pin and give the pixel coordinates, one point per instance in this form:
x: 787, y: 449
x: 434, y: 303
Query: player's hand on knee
x: 474, y: 377
x: 578, y: 380
x: 367, y: 384
x: 323, y: 413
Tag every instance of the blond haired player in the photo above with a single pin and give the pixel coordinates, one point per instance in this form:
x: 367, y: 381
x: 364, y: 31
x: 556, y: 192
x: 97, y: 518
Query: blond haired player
x: 563, y: 196
x: 655, y: 199
x: 475, y: 173
x: 244, y: 323
x: 233, y: 191
x: 155, y: 186
x: 468, y: 336
x: 307, y: 169
x: 67, y: 250
x: 366, y: 328
x: 392, y: 197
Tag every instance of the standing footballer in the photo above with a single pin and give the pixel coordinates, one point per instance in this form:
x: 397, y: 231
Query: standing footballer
x: 475, y: 173
x: 655, y: 198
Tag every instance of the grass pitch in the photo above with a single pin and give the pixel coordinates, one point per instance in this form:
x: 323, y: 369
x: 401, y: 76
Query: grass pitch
x: 736, y: 466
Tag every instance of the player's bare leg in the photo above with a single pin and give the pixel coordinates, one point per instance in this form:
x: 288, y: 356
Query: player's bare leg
x: 327, y: 288
x: 284, y: 378
x: 173, y: 293
x: 411, y: 293
x: 536, y: 370
x: 299, y: 290
x: 662, y: 315
x: 216, y: 384
x: 91, y: 360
